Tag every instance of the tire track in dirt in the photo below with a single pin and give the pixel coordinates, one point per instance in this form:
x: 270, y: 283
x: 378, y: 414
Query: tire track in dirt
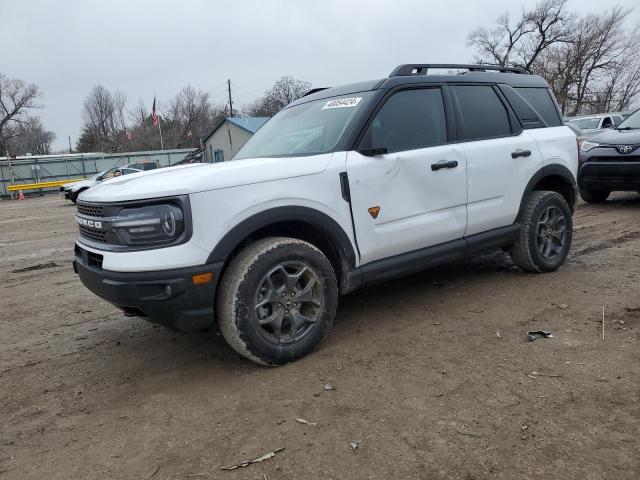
x: 607, y: 244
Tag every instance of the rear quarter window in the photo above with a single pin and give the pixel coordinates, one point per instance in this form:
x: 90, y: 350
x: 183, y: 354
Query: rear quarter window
x: 541, y: 100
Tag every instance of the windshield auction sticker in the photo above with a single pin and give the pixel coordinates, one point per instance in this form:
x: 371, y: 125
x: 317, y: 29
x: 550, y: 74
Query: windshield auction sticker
x: 342, y: 103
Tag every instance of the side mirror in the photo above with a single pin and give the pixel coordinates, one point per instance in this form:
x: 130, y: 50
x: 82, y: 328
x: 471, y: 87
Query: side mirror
x: 373, y: 152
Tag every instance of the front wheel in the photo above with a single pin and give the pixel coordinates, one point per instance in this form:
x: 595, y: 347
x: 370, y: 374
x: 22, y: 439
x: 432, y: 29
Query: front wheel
x: 594, y: 196
x: 546, y: 233
x: 277, y: 300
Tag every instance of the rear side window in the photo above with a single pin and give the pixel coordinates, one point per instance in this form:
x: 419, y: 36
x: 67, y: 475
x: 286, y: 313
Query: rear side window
x: 409, y: 120
x: 483, y: 114
x: 541, y: 100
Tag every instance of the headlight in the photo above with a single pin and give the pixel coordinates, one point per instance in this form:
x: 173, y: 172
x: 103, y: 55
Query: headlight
x: 150, y: 225
x: 586, y: 145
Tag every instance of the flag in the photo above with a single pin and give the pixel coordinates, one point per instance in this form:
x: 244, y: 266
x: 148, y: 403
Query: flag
x: 154, y: 115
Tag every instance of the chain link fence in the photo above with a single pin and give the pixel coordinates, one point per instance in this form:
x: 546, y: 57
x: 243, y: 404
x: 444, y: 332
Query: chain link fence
x: 48, y: 168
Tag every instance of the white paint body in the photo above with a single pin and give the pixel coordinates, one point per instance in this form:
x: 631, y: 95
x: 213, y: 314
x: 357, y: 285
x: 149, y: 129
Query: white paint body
x: 418, y: 207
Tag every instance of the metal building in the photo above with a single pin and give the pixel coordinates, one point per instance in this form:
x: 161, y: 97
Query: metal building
x: 228, y: 136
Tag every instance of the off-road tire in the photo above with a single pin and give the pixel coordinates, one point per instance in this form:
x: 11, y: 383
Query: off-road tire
x: 594, y: 196
x: 236, y: 305
x: 525, y: 253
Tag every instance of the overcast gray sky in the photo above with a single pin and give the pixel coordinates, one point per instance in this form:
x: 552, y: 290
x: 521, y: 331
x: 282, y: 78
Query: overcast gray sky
x: 144, y: 47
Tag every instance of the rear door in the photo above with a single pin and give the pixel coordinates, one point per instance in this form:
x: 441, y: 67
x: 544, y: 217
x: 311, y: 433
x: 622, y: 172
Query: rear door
x: 414, y: 195
x: 501, y: 157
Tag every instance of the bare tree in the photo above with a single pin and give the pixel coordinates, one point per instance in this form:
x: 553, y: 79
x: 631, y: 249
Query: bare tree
x: 104, y: 124
x: 590, y: 61
x: 189, y: 117
x: 30, y: 137
x: 17, y: 98
x: 497, y: 46
x: 521, y: 43
x: 283, y: 92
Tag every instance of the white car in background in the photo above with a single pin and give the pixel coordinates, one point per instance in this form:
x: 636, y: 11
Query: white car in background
x: 590, y: 124
x: 73, y: 189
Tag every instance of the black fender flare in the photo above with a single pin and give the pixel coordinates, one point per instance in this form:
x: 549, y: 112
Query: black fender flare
x: 555, y: 170
x: 310, y: 216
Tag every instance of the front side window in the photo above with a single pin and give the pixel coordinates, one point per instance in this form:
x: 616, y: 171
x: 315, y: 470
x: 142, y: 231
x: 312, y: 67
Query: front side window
x: 483, y: 114
x: 409, y: 120
x: 110, y: 173
x: 307, y: 129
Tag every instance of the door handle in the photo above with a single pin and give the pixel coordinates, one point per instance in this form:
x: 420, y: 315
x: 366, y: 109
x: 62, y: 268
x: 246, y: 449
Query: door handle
x: 521, y: 153
x: 444, y: 164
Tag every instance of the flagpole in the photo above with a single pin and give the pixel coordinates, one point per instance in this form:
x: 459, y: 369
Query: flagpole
x: 160, y: 128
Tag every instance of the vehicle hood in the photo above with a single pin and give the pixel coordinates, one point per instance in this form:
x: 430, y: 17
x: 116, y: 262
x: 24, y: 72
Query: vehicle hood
x: 200, y: 177
x: 78, y: 185
x: 617, y: 137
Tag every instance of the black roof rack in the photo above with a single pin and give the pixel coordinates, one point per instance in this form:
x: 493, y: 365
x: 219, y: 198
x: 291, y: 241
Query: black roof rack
x: 315, y: 90
x: 422, y: 68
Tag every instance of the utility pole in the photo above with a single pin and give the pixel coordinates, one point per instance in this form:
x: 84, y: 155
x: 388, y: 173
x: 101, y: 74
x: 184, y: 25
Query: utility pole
x: 70, y: 144
x: 230, y: 103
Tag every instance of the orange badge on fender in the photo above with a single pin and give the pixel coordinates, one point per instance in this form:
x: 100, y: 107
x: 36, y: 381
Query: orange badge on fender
x: 374, y: 211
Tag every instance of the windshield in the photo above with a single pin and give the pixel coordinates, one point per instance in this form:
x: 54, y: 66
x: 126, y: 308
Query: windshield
x: 586, y: 123
x: 306, y: 129
x: 632, y: 122
x: 96, y: 176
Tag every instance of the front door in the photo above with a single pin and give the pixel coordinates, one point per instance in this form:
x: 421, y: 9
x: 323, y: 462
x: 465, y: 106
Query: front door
x: 409, y: 190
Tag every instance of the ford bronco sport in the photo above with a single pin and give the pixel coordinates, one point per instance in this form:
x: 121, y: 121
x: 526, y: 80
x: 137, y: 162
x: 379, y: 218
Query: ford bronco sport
x: 345, y: 187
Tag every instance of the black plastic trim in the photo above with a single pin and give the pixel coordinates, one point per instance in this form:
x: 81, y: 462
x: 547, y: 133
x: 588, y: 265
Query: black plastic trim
x: 315, y: 218
x: 418, y: 260
x: 548, y: 171
x: 167, y: 297
x: 610, y: 176
x: 344, y: 187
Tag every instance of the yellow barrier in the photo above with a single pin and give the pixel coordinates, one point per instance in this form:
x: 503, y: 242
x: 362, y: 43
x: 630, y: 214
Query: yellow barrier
x: 35, y: 186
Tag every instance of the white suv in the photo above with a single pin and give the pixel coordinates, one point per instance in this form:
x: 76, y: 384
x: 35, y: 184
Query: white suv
x: 345, y: 187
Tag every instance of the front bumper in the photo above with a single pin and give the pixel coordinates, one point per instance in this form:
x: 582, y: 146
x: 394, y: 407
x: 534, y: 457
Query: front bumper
x: 168, y: 297
x: 609, y: 176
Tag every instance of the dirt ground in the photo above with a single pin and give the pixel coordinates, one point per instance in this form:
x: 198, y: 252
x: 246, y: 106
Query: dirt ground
x: 423, y: 382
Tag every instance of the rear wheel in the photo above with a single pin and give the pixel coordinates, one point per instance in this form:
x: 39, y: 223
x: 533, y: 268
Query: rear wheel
x: 546, y: 233
x: 277, y: 300
x: 594, y: 196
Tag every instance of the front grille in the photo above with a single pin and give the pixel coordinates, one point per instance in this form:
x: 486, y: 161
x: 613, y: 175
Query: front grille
x: 91, y: 210
x: 92, y: 234
x: 618, y: 158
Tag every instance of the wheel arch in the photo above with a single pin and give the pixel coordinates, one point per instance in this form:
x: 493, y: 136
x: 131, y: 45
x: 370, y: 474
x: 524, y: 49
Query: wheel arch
x: 556, y: 178
x: 303, y: 223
